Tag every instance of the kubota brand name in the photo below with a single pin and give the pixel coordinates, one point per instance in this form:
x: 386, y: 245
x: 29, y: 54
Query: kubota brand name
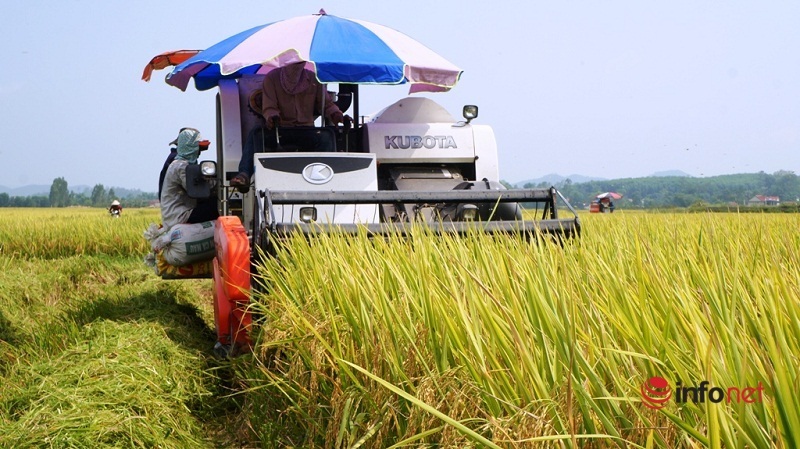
x: 406, y: 142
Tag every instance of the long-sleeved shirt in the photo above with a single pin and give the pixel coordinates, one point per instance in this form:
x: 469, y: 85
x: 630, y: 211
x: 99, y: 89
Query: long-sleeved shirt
x: 297, y: 109
x: 176, y: 206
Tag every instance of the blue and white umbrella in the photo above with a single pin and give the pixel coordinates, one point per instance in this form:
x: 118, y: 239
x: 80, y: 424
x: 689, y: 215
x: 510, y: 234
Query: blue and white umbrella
x: 338, y: 50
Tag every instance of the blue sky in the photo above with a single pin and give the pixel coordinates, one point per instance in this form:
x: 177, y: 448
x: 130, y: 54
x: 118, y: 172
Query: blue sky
x: 611, y: 89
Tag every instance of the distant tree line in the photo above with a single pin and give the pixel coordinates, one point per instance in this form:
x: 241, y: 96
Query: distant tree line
x: 650, y: 192
x: 61, y: 196
x: 676, y: 191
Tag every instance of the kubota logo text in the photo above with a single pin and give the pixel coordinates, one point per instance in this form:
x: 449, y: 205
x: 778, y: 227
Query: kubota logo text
x: 656, y: 392
x: 406, y: 142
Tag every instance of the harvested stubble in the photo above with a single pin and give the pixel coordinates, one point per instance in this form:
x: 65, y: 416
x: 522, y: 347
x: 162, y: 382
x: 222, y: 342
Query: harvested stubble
x: 95, y: 350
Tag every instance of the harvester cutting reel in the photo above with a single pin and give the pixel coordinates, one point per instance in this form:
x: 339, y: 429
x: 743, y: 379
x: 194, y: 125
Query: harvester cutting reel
x: 457, y: 211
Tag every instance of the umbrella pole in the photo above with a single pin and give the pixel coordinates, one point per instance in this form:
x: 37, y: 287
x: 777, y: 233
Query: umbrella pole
x: 356, y: 117
x: 322, y: 106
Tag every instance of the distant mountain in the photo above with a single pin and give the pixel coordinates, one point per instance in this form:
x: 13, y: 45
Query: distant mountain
x: 125, y: 193
x: 660, y: 174
x: 44, y: 190
x: 554, y: 178
x: 29, y: 190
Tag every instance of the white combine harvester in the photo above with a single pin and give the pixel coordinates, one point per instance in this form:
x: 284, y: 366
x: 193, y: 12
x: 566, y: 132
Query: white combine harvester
x: 411, y: 163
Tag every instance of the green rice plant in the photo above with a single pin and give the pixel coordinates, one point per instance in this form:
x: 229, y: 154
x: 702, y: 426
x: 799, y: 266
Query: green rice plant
x: 530, y: 343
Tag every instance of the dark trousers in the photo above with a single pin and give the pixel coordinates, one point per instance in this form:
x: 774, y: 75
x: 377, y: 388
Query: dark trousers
x: 206, y: 210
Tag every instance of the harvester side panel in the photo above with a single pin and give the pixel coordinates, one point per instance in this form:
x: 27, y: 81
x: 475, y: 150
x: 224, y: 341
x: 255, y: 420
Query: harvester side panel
x: 234, y: 122
x: 486, y: 164
x: 231, y: 119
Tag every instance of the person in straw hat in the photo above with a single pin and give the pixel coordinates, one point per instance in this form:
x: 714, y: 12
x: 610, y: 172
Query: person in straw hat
x: 115, y: 208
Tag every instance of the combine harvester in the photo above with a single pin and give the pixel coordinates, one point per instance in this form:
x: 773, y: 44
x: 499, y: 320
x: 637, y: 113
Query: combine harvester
x: 410, y: 163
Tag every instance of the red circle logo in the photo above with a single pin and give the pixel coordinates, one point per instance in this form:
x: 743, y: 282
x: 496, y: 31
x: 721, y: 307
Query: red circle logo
x: 656, y: 392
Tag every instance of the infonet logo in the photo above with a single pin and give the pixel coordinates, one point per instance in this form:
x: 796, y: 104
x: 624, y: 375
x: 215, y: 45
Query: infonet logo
x: 317, y: 173
x: 656, y: 392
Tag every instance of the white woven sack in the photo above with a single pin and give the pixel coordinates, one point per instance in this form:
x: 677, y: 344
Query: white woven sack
x: 188, y: 243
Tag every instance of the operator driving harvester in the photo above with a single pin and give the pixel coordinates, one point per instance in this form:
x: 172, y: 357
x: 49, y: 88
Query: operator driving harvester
x: 412, y: 162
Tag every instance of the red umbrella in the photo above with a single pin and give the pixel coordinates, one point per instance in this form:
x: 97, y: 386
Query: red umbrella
x: 611, y: 195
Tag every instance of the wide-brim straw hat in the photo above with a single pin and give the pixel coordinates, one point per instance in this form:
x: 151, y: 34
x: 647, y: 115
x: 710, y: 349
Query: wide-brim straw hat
x: 255, y: 102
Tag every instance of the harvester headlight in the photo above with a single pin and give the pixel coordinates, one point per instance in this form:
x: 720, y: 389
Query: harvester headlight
x: 308, y: 214
x: 470, y: 112
x: 208, y: 168
x: 467, y: 212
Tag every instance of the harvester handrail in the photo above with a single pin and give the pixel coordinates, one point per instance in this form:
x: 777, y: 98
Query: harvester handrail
x: 407, y: 196
x: 569, y: 206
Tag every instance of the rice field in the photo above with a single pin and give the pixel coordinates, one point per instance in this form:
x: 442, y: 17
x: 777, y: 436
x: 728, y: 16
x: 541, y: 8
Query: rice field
x: 51, y: 233
x: 448, y: 342
x: 497, y: 342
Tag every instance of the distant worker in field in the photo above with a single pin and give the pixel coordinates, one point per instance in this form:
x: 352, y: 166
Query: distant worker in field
x: 115, y: 209
x: 606, y: 205
x: 291, y: 99
x: 176, y: 205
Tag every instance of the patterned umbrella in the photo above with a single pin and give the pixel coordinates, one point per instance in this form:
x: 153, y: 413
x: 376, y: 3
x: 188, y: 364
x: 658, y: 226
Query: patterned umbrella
x: 338, y: 50
x: 611, y: 195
